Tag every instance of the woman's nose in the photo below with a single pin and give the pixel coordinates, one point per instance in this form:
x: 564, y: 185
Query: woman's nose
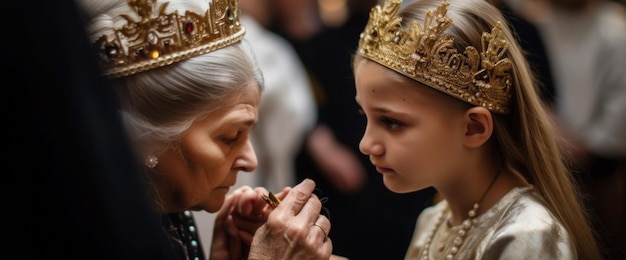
x: 247, y: 162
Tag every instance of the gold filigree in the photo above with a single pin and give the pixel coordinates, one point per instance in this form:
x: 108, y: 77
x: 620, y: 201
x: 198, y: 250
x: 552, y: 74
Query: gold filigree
x: 426, y: 54
x: 165, y: 38
x: 271, y: 200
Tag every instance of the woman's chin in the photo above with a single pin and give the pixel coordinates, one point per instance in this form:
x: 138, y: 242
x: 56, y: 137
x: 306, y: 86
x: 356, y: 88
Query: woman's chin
x: 212, y: 206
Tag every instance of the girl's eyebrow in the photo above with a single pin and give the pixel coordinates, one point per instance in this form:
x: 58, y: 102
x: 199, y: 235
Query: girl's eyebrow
x: 382, y: 110
x: 376, y: 109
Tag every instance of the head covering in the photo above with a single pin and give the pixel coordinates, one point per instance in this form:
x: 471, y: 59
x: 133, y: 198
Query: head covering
x: 478, y: 75
x: 137, y: 35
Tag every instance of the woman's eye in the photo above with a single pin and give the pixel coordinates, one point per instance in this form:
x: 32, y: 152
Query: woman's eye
x: 391, y: 124
x: 230, y: 139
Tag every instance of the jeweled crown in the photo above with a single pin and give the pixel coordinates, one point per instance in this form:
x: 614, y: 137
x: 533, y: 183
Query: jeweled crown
x: 161, y: 38
x: 425, y: 54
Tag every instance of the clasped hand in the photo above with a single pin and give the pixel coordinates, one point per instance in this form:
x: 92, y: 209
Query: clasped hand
x: 248, y: 228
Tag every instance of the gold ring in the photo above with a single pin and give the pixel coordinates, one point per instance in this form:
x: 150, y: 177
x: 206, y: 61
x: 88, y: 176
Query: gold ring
x: 322, y: 228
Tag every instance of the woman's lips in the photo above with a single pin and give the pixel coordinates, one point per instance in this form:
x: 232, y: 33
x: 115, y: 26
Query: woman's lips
x: 224, y: 187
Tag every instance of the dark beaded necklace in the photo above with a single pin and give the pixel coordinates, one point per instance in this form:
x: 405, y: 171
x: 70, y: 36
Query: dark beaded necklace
x: 183, y: 234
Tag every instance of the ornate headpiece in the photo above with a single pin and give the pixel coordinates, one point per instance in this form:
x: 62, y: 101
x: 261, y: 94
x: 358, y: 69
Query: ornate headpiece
x: 425, y: 54
x: 159, y: 38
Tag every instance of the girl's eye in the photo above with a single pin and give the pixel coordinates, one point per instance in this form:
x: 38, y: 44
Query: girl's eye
x: 391, y: 124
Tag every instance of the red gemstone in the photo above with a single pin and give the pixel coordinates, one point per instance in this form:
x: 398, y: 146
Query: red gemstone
x: 189, y: 27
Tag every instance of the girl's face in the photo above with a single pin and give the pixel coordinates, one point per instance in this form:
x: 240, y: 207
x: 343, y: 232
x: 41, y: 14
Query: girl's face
x: 212, y: 151
x: 413, y: 135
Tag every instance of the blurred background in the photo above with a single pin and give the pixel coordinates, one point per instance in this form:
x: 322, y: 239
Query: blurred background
x: 577, y: 49
x: 68, y: 149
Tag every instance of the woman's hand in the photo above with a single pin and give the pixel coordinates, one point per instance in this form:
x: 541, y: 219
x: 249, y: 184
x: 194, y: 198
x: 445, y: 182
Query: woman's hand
x: 295, y: 229
x: 246, y: 227
x: 241, y: 215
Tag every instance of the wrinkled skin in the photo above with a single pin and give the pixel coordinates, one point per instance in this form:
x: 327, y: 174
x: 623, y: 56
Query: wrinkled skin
x: 247, y: 225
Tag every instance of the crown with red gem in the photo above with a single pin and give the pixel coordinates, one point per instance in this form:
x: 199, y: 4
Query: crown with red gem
x: 156, y: 38
x: 428, y: 55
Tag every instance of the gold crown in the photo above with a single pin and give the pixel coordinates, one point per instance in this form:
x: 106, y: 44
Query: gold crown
x: 165, y: 38
x: 427, y: 55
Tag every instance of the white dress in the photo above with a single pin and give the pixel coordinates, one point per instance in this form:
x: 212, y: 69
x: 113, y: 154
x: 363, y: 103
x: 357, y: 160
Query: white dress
x: 519, y: 226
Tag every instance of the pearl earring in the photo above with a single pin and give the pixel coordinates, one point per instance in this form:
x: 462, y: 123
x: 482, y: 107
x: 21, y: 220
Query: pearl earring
x: 151, y: 161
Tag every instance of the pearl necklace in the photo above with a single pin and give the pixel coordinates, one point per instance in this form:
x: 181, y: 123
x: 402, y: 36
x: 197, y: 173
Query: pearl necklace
x: 458, y: 240
x: 465, y: 227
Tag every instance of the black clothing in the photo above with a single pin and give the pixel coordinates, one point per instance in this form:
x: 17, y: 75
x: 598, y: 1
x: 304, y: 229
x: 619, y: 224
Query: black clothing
x: 183, y: 233
x: 70, y: 185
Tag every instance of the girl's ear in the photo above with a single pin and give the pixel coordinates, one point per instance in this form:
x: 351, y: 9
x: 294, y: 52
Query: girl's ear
x: 478, y: 126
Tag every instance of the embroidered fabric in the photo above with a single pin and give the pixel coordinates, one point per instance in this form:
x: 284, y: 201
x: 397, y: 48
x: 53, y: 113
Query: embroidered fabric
x: 519, y: 226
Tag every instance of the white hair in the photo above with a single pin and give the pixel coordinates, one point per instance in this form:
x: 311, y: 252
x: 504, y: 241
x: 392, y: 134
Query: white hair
x: 158, y: 105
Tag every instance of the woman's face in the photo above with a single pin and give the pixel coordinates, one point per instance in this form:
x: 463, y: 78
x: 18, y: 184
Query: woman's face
x: 212, y: 151
x: 413, y: 136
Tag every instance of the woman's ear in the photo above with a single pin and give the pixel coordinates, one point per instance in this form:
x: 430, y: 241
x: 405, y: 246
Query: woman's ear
x: 478, y: 126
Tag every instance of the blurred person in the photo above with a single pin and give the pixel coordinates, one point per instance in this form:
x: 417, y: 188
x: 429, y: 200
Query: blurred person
x: 189, y: 90
x: 586, y: 41
x: 451, y: 103
x: 298, y: 19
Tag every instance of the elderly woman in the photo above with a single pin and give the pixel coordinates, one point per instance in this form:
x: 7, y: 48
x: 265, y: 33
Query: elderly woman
x: 189, y: 91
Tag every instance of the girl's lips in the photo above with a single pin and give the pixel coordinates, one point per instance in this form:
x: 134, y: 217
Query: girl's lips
x: 383, y: 170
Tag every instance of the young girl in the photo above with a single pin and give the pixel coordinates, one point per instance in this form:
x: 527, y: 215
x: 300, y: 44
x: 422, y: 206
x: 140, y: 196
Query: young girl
x: 451, y: 103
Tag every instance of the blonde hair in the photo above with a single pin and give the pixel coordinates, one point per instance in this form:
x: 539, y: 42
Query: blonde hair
x: 526, y: 136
